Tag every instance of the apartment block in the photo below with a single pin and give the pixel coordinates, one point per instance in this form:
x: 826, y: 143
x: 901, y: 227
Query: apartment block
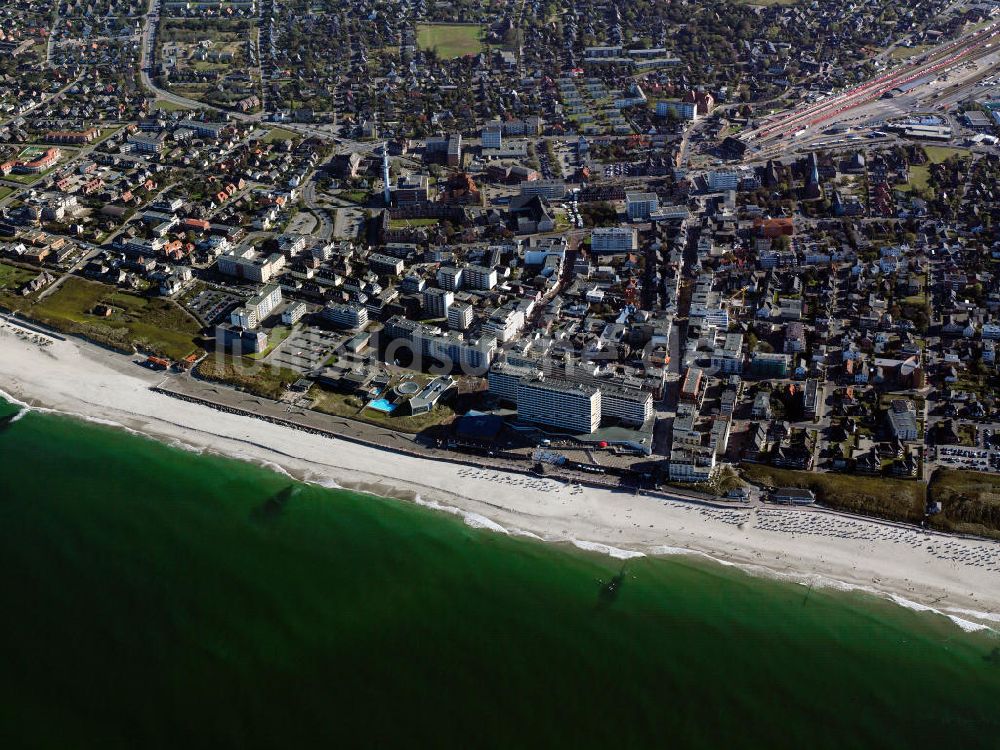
x: 611, y: 240
x: 558, y: 404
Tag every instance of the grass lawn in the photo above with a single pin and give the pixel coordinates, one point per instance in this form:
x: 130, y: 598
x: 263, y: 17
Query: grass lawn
x: 450, y: 39
x: 5, y: 191
x: 149, y: 324
x: 897, y: 499
x: 167, y: 106
x: 970, y: 501
x: 275, y: 135
x: 275, y: 336
x: 903, y: 53
x: 252, y: 377
x: 406, y: 223
x: 12, y: 277
x: 939, y: 154
x: 27, y: 179
x: 356, y: 196
x: 919, y: 177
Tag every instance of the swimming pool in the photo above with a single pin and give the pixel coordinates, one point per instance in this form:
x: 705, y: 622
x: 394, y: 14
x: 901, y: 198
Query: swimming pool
x: 382, y: 405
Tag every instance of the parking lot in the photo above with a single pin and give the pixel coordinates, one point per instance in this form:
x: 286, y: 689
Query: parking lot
x: 960, y: 457
x: 305, y: 350
x: 212, y: 306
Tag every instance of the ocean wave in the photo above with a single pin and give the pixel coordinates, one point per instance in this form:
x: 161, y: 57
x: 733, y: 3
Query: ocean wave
x: 988, y: 616
x: 11, y: 399
x: 474, y: 520
x: 526, y: 534
x: 606, y: 549
x: 269, y: 465
x: 325, y: 482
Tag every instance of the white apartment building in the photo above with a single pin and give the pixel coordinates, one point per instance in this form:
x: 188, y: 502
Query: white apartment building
x: 550, y: 189
x: 352, y: 317
x: 479, y: 277
x: 430, y: 341
x: 728, y: 358
x: 613, y: 240
x: 724, y: 179
x: 437, y: 302
x: 246, y: 264
x: 503, y: 379
x: 638, y: 206
x: 449, y: 278
x: 631, y: 406
x: 559, y: 404
x: 505, y: 323
x: 293, y: 313
x: 257, y: 308
x: 459, y: 316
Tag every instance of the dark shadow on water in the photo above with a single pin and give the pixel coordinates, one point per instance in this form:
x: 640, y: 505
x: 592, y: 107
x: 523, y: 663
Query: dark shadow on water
x: 275, y: 505
x: 6, y: 422
x: 610, y: 589
x: 993, y: 657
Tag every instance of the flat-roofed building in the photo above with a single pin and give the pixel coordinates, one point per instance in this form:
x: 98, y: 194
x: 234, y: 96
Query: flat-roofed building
x: 460, y: 316
x: 450, y: 278
x: 385, y: 264
x: 728, y: 358
x: 479, y: 277
x: 567, y: 406
x: 257, y: 308
x: 610, y: 240
x: 293, y: 313
x: 769, y: 364
x: 503, y: 378
x: 245, y: 263
x: 902, y: 417
x: 638, y: 206
x: 437, y: 302
x: 627, y: 405
x: 455, y: 150
x: 551, y: 189
x: 351, y: 317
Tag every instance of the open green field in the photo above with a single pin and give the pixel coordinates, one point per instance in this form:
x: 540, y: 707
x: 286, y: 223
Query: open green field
x: 919, y: 177
x: 450, y: 39
x: 904, y: 53
x: 276, y: 135
x: 259, y: 379
x: 939, y: 154
x: 5, y: 191
x: 407, y: 223
x: 896, y: 499
x: 149, y: 324
x: 168, y: 106
x: 970, y: 501
x: 12, y: 277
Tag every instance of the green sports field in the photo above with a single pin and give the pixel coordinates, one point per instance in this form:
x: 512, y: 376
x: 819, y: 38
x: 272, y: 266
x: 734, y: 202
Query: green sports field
x: 450, y: 39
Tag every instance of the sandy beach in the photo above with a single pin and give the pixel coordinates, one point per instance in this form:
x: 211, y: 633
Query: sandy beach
x: 956, y: 576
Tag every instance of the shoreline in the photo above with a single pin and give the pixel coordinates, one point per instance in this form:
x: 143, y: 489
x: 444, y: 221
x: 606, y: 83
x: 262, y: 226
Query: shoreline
x: 957, y: 577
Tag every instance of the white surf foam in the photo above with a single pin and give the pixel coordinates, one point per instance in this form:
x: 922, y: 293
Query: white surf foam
x: 606, y: 549
x: 473, y: 520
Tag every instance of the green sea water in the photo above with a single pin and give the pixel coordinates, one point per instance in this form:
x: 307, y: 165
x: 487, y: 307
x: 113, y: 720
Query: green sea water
x: 154, y: 598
